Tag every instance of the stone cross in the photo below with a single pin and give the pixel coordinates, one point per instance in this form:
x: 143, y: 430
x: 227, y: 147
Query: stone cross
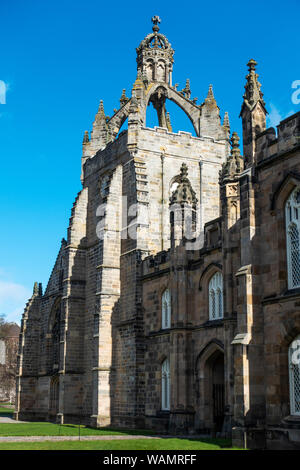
x: 155, y: 20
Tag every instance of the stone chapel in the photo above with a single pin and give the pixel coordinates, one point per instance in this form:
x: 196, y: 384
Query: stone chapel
x: 174, y: 301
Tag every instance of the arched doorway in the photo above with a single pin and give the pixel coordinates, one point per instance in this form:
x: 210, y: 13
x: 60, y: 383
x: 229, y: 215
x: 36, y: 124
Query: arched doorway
x: 210, y: 389
x: 218, y: 401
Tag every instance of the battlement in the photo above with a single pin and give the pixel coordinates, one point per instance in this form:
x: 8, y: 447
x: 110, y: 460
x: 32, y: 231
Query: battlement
x: 183, y: 135
x: 269, y: 144
x: 155, y: 263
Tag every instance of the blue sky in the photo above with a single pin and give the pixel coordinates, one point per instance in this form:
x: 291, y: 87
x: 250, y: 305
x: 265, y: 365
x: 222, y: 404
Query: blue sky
x: 59, y: 58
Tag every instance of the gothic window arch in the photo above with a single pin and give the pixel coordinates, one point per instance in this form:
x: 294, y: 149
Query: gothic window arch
x: 292, y: 217
x: 54, y: 395
x: 54, y: 329
x: 165, y: 385
x: 166, y: 309
x: 215, y: 292
x: 294, y: 376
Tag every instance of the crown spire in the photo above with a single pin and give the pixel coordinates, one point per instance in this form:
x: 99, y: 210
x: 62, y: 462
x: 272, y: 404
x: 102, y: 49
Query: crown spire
x: 155, y: 56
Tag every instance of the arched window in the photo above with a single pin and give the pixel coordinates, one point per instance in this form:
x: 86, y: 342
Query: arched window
x: 166, y: 309
x: 165, y: 385
x: 292, y: 217
x: 294, y: 366
x: 215, y: 290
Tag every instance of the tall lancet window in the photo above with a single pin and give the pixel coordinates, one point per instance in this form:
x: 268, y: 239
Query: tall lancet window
x: 165, y: 385
x: 292, y: 217
x: 294, y: 369
x: 166, y: 309
x: 215, y: 291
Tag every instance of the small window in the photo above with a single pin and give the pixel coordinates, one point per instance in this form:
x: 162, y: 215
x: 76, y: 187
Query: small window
x: 165, y: 385
x: 215, y: 289
x: 292, y: 238
x: 166, y: 309
x: 294, y: 367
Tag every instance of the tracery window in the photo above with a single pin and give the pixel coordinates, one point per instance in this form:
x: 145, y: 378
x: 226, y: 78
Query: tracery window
x: 166, y: 309
x: 294, y: 376
x: 215, y: 290
x: 292, y: 216
x: 165, y: 385
x: 56, y: 335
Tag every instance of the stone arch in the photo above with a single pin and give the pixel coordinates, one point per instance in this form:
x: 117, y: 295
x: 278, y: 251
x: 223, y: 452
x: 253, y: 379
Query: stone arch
x: 150, y: 69
x: 191, y: 110
x: 117, y: 120
x: 56, y: 304
x: 161, y: 70
x: 283, y: 191
x: 278, y: 210
x: 210, y: 386
x: 207, y: 273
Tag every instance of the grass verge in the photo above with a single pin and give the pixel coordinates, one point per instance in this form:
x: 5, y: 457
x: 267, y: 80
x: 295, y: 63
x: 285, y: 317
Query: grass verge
x: 135, y: 444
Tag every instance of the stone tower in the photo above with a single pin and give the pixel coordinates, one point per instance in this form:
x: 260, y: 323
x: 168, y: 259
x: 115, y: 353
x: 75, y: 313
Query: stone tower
x: 87, y: 329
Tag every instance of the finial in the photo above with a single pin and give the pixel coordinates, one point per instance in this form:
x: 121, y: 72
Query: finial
x: 187, y: 89
x: 156, y: 21
x: 184, y: 170
x: 168, y: 120
x: 210, y: 93
x: 35, y: 288
x: 101, y: 108
x: 226, y: 123
x: 123, y: 99
x: 86, y: 138
x: 252, y: 65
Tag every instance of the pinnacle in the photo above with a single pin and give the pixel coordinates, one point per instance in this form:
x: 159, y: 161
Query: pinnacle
x: 86, y: 138
x: 101, y: 108
x: 235, y: 141
x: 123, y: 99
x: 226, y: 122
x: 210, y: 94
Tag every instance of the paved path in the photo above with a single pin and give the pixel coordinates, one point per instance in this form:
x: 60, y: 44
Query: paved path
x: 9, y: 420
x: 71, y: 438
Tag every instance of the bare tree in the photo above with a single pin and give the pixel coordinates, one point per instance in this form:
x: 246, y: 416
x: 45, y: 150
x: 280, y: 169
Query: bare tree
x: 9, y: 335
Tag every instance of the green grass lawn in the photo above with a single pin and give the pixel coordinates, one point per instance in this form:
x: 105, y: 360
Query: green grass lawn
x: 6, y: 411
x: 52, y: 429
x: 136, y: 444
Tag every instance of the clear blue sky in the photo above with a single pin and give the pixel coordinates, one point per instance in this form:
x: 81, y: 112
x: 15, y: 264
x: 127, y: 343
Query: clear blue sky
x: 59, y: 58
